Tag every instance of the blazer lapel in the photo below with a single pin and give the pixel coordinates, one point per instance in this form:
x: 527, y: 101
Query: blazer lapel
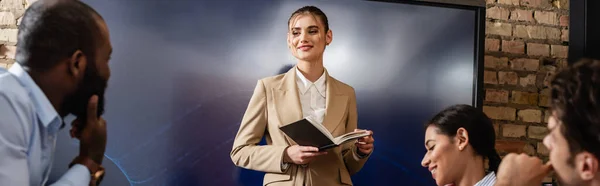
x: 287, y: 101
x: 336, y: 103
x: 289, y: 109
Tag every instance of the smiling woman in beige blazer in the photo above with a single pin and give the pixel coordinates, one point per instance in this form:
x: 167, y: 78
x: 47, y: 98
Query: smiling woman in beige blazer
x: 305, y: 90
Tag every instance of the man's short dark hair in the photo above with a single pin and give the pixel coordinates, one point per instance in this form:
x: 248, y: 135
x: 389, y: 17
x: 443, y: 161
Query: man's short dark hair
x: 576, y: 101
x: 52, y: 30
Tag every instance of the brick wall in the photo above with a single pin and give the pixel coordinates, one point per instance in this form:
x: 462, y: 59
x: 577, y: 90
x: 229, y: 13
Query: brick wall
x: 11, y: 12
x: 526, y: 43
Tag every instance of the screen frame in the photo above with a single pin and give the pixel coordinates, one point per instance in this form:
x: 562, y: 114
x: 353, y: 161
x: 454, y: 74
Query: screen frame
x: 584, y: 39
x: 479, y: 49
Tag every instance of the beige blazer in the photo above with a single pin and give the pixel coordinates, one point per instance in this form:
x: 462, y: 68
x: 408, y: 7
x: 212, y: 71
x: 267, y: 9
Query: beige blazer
x: 275, y: 103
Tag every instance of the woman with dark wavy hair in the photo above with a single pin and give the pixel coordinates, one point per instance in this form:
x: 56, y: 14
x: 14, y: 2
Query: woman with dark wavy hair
x: 458, y: 141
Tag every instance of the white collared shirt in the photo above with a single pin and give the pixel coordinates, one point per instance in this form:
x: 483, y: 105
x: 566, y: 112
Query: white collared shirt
x: 312, y: 96
x: 29, y: 126
x: 488, y: 180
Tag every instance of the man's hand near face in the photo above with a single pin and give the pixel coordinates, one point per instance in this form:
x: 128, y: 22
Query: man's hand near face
x: 92, y: 137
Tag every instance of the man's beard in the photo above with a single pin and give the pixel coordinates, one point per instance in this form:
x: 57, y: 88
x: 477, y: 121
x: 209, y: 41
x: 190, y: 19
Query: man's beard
x: 92, y: 84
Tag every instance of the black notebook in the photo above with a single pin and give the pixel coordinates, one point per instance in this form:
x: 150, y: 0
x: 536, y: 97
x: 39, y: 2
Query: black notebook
x: 306, y: 132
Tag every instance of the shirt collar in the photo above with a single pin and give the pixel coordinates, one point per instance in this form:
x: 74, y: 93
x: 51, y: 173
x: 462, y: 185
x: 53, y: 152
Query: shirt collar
x: 489, y: 179
x: 319, y: 84
x: 44, y: 109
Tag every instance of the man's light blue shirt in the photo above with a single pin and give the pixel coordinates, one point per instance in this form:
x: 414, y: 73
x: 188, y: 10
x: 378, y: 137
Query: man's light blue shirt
x: 28, y: 128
